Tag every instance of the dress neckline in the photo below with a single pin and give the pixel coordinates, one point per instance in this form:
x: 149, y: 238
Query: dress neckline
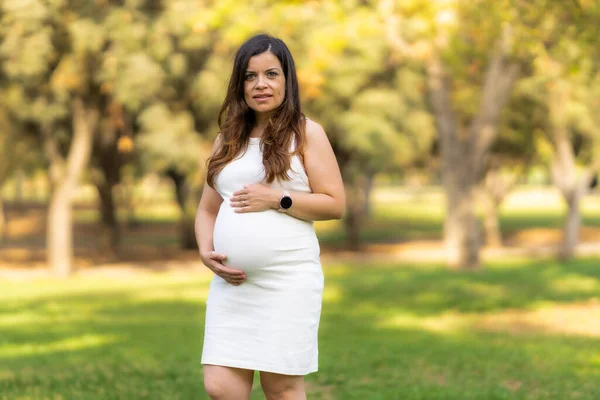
x: 254, y: 140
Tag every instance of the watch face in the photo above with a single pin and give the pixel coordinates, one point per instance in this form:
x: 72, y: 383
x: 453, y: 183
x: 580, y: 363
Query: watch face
x: 286, y: 202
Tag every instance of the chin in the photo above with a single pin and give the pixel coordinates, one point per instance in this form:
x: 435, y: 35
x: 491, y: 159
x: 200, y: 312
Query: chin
x: 263, y: 109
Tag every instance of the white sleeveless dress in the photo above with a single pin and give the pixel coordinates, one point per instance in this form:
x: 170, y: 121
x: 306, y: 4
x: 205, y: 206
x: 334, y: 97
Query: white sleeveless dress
x: 270, y: 322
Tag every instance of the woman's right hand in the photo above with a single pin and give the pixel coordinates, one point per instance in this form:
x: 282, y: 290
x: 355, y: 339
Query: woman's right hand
x: 214, y: 261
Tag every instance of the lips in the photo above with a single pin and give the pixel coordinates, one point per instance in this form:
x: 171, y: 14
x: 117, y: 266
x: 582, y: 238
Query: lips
x: 262, y: 96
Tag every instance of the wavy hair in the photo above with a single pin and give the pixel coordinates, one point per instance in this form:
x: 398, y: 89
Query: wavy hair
x: 236, y: 119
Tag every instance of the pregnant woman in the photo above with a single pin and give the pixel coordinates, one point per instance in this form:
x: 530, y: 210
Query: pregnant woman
x: 271, y: 174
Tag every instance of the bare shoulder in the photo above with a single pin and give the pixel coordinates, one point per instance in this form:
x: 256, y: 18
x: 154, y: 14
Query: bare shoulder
x: 315, y: 132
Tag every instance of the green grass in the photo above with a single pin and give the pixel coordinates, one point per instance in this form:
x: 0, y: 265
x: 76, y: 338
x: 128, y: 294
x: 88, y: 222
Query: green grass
x: 403, y: 214
x: 388, y: 331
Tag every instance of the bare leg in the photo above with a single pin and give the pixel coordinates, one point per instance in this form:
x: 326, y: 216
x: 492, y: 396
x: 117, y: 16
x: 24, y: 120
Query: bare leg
x: 282, y: 387
x: 226, y: 383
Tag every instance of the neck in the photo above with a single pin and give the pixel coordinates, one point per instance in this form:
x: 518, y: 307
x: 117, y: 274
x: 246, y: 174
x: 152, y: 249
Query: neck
x: 257, y: 130
x: 261, y: 120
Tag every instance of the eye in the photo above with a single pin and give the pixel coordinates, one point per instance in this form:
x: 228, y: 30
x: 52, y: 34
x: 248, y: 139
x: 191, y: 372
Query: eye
x: 250, y: 76
x: 272, y: 74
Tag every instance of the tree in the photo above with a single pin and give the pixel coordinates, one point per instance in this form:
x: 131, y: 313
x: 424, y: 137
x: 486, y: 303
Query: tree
x: 373, y: 111
x: 566, y: 84
x: 30, y: 98
x: 62, y: 90
x: 169, y: 143
x: 470, y: 75
x: 474, y: 53
x: 574, y: 138
x: 508, y: 161
x: 18, y: 154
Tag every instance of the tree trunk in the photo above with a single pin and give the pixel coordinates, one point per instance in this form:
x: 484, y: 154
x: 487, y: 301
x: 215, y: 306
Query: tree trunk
x: 19, y: 183
x: 65, y: 175
x: 572, y: 187
x: 111, y: 234
x: 187, y: 231
x: 494, y: 190
x: 369, y: 180
x: 188, y: 206
x: 564, y: 168
x: 573, y: 184
x: 493, y: 234
x: 355, y: 195
x: 2, y: 220
x: 465, y: 149
x: 7, y: 166
x: 59, y: 233
x: 460, y: 229
x: 352, y: 225
x: 356, y: 205
x: 127, y: 187
x: 107, y: 164
x: 572, y: 226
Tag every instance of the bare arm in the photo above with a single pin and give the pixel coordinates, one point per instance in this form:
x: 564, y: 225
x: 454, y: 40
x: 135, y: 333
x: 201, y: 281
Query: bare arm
x: 204, y: 227
x: 205, y: 218
x: 327, y: 200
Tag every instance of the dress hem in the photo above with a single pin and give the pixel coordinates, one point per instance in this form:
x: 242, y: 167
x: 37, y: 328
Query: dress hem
x: 261, y: 367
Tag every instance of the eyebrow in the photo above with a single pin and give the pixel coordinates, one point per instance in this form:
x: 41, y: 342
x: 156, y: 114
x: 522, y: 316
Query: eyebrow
x: 270, y: 69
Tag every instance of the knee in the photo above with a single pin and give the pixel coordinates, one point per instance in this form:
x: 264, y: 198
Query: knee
x: 282, y: 389
x: 224, y: 383
x: 214, y: 388
x: 278, y: 393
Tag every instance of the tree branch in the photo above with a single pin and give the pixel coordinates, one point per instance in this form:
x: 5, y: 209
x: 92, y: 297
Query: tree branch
x: 440, y: 88
x: 84, y: 125
x: 498, y: 83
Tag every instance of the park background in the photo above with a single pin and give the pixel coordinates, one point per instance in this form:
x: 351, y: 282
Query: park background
x: 467, y: 133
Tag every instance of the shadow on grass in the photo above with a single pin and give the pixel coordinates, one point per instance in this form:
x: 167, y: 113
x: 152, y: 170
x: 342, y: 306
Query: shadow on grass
x: 105, y: 345
x: 145, y: 342
x: 433, y: 289
x: 366, y: 357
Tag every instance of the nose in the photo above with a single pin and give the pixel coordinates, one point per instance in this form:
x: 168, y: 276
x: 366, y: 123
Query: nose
x: 261, y: 81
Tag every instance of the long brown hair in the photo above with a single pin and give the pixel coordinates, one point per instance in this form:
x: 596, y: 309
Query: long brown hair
x: 236, y: 119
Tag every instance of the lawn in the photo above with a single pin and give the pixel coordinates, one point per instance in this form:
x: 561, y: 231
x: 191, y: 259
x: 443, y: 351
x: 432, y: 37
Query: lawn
x: 518, y: 329
x: 405, y: 214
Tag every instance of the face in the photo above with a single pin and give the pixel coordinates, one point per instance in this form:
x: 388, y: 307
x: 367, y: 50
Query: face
x: 264, y: 84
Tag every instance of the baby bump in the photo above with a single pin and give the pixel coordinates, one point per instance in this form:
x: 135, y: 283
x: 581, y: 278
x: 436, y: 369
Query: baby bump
x: 263, y: 240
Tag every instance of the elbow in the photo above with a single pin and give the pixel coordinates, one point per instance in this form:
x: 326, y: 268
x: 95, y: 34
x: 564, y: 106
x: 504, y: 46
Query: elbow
x: 340, y: 211
x: 336, y: 209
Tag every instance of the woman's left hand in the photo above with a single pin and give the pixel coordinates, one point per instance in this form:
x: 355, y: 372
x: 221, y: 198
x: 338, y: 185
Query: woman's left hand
x: 254, y: 198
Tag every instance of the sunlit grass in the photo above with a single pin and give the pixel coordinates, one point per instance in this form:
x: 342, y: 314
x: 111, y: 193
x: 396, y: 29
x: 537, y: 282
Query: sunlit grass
x: 67, y: 344
x: 515, y: 330
x: 400, y: 214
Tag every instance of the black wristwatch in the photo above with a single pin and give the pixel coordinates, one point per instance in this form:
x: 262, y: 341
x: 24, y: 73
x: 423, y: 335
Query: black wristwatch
x: 285, y: 202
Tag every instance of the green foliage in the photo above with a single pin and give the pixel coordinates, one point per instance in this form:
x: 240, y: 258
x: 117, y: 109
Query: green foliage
x: 19, y: 151
x: 139, y: 79
x: 342, y: 50
x: 166, y: 64
x: 168, y: 140
x: 86, y: 36
x: 26, y: 46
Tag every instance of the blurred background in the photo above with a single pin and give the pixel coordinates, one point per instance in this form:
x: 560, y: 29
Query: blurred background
x: 468, y: 136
